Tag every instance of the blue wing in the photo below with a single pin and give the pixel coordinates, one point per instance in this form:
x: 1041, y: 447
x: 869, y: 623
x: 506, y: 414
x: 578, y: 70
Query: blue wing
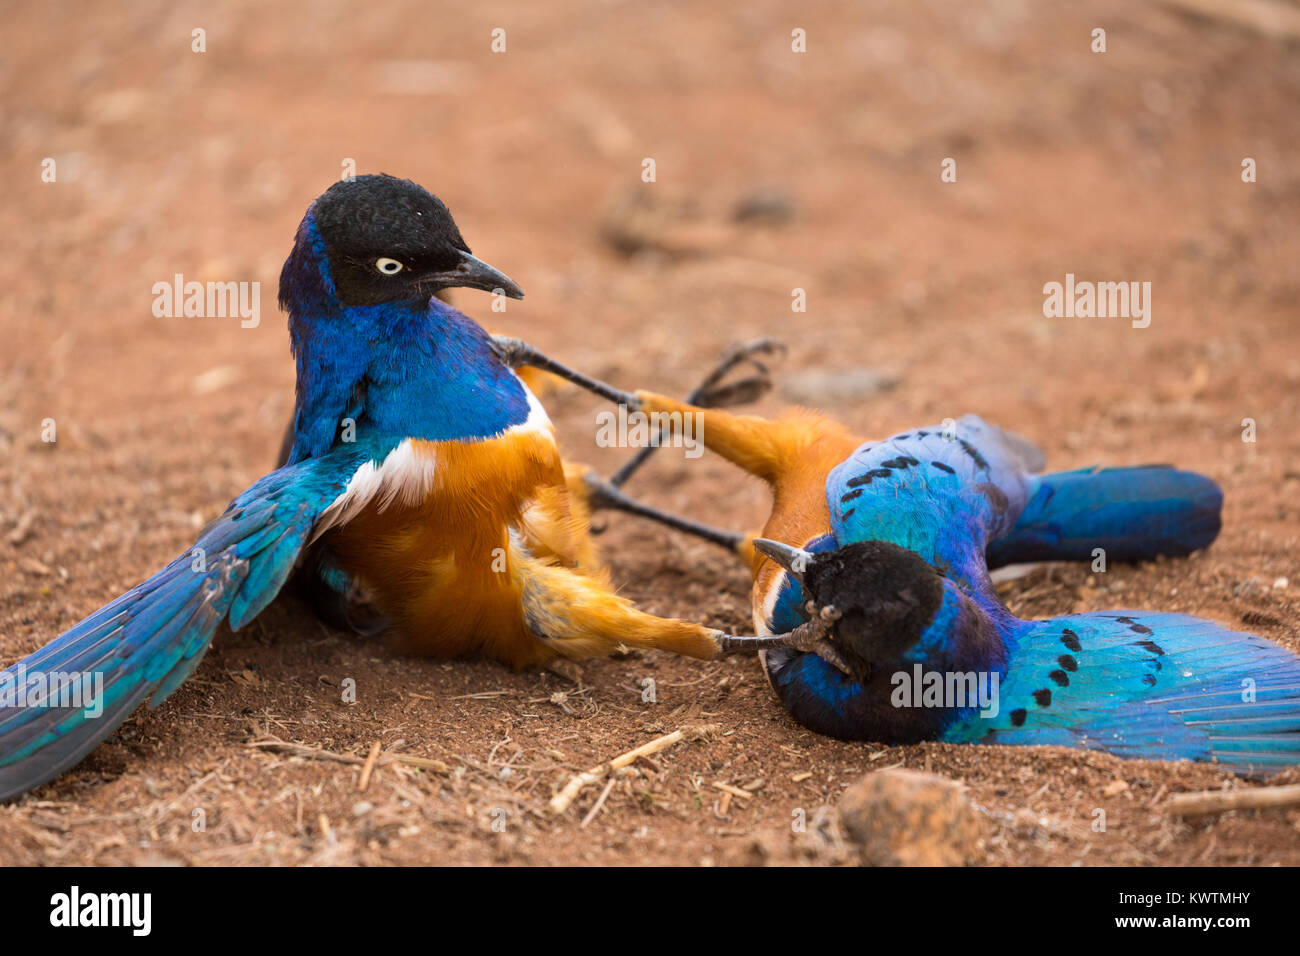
x: 940, y: 492
x: 943, y: 493
x: 949, y: 495
x: 1133, y: 514
x: 1148, y: 685
x: 59, y: 702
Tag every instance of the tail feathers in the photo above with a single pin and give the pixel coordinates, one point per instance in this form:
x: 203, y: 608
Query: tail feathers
x: 1149, y: 685
x: 1133, y: 514
x: 59, y: 702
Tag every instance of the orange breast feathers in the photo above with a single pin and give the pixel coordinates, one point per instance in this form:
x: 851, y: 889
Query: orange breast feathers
x: 435, y: 532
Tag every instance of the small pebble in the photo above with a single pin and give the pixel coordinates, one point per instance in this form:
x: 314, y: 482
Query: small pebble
x: 900, y: 817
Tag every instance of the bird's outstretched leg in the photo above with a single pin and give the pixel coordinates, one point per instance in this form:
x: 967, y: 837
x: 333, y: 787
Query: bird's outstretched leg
x: 517, y: 353
x: 814, y: 635
x: 576, y: 616
x: 766, y: 448
x: 604, y: 494
x: 714, y: 392
x: 711, y: 393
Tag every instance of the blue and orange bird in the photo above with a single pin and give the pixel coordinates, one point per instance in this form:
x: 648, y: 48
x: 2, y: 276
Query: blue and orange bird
x: 886, y: 573
x: 423, y: 474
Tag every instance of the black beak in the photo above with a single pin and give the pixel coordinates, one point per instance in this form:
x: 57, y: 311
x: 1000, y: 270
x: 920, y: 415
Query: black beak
x: 474, y: 273
x: 794, y: 560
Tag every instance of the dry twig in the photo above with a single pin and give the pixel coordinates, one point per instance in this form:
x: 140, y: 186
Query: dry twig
x: 1221, y: 801
x: 368, y: 767
x: 564, y: 799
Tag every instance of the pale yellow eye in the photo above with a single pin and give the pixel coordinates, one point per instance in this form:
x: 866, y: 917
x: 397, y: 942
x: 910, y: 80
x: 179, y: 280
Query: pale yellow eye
x: 389, y: 267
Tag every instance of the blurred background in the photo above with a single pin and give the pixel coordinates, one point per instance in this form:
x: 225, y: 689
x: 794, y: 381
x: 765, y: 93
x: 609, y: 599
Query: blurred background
x: 774, y: 170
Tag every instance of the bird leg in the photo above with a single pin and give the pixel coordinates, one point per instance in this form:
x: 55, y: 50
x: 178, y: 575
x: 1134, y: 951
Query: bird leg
x: 516, y: 353
x: 604, y: 494
x: 577, y: 616
x: 714, y: 392
x: 812, y: 636
x: 711, y: 393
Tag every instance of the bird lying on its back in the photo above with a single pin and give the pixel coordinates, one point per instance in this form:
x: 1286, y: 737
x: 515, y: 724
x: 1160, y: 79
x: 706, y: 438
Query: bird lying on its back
x: 893, y: 541
x: 422, y: 472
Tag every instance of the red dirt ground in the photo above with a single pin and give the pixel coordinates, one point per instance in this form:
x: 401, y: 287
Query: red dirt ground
x: 1121, y: 166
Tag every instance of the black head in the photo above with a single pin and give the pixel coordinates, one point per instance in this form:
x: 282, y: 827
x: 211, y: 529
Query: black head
x: 388, y: 239
x: 880, y: 597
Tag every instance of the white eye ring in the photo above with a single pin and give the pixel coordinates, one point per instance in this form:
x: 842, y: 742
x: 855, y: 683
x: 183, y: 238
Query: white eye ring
x: 389, y: 267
